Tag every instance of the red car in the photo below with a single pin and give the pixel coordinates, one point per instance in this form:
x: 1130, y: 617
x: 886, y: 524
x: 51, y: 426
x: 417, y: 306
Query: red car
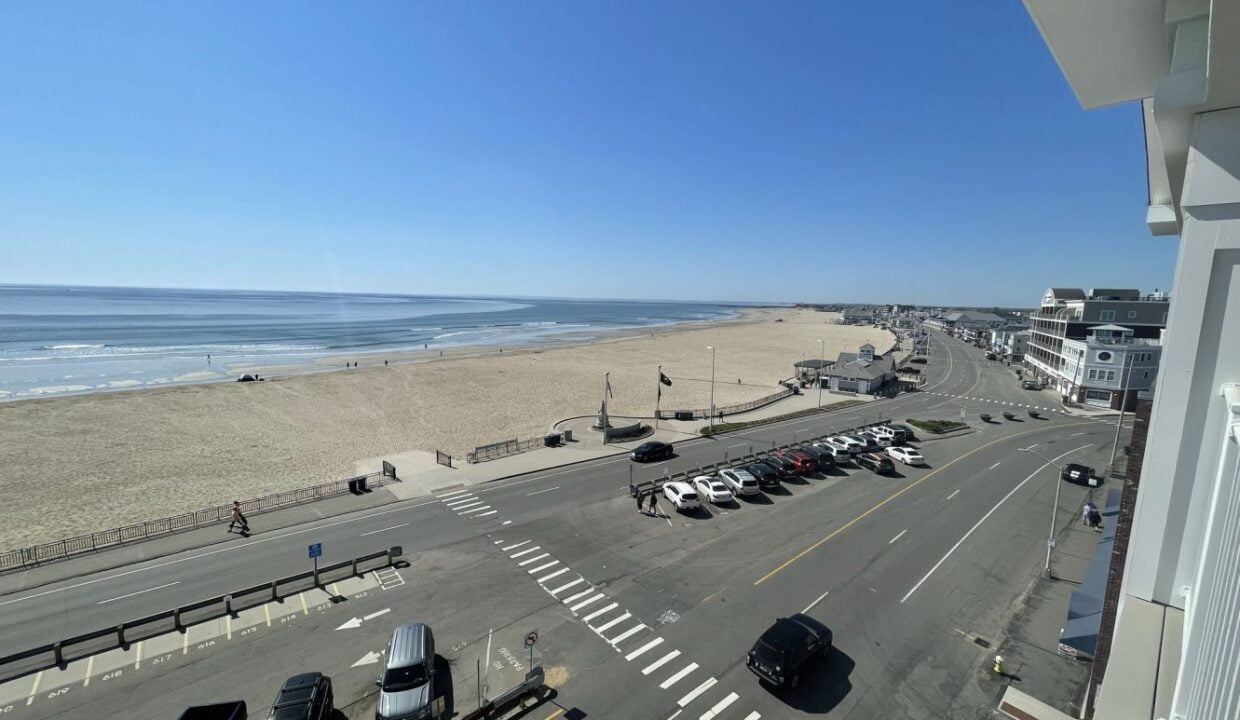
x: 801, y: 461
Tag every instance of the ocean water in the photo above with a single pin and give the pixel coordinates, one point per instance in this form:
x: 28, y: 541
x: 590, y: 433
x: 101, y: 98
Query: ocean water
x: 57, y: 340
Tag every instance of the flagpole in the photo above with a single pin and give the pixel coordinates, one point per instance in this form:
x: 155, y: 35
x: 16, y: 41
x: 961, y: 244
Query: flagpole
x: 606, y: 384
x: 658, y: 398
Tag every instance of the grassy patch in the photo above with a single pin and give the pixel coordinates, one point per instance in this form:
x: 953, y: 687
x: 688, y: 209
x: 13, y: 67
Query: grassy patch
x: 722, y: 427
x: 936, y: 426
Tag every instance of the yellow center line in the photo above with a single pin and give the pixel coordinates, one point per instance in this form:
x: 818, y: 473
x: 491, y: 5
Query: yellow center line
x: 267, y: 614
x: 137, y: 649
x: 34, y: 689
x: 304, y: 609
x: 90, y: 666
x: 185, y: 642
x: 228, y: 626
x: 897, y: 494
x: 555, y: 714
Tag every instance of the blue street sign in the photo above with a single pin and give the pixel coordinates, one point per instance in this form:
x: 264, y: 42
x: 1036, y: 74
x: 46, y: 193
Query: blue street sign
x: 316, y: 550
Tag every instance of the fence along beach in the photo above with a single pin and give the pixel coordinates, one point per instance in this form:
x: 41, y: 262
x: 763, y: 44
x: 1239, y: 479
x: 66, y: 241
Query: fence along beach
x: 111, y: 459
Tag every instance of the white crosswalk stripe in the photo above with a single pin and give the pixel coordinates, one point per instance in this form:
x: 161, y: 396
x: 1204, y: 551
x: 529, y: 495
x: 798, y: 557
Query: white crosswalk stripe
x: 660, y: 662
x: 627, y: 634
x: 720, y: 707
x: 596, y: 613
x: 540, y: 568
x: 611, y: 623
x: 583, y: 603
x: 534, y: 559
x: 562, y: 588
x: 536, y: 548
x: 680, y: 675
x: 695, y: 692
x: 557, y: 573
x: 642, y: 650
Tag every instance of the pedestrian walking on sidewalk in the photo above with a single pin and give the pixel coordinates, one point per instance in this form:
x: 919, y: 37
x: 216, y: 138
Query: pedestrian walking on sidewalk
x: 1086, y: 510
x: 637, y: 494
x: 1095, y: 519
x: 654, y: 501
x: 238, y: 519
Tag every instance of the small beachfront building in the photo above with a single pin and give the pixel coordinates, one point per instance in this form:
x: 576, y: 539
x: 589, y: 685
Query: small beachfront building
x: 861, y: 372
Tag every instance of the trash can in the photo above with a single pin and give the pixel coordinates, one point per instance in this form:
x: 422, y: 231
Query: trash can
x: 568, y: 436
x: 552, y: 439
x: 684, y: 415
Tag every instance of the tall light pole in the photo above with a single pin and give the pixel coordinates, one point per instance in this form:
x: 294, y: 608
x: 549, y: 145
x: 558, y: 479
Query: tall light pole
x: 1050, y: 539
x: 1123, y: 402
x: 822, y: 361
x: 711, y: 412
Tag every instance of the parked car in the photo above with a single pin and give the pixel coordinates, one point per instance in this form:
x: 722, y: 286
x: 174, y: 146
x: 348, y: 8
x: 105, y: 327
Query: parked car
x: 1030, y: 385
x: 652, y: 450
x: 876, y: 440
x: 838, y: 454
x: 307, y: 696
x: 823, y: 458
x: 767, y: 476
x: 908, y: 456
x: 681, y: 495
x: 868, y: 443
x: 991, y: 356
x: 407, y: 685
x: 839, y: 444
x: 877, y: 463
x: 852, y: 444
x: 740, y: 481
x: 897, y: 437
x: 1080, y: 475
x: 783, y: 466
x: 713, y: 489
x: 801, y: 461
x: 909, y: 433
x: 782, y: 652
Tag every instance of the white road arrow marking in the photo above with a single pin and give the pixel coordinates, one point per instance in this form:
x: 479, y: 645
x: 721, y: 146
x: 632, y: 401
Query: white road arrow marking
x: 357, y: 622
x: 369, y: 658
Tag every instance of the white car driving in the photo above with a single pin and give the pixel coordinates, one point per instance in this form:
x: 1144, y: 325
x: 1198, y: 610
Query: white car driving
x: 681, y: 495
x: 740, y: 481
x: 908, y: 456
x: 712, y: 489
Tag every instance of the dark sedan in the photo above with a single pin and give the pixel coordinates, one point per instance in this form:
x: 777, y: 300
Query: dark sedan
x: 1080, y: 475
x: 653, y: 450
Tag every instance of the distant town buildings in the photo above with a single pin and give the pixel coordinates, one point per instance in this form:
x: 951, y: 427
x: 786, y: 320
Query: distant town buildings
x: 1087, y: 345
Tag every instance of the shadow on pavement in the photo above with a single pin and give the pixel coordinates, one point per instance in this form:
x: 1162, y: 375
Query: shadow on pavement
x: 823, y: 684
x: 758, y: 498
x: 444, y: 690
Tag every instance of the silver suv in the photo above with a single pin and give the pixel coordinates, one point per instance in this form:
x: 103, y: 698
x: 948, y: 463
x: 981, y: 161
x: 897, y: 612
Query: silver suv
x: 407, y: 687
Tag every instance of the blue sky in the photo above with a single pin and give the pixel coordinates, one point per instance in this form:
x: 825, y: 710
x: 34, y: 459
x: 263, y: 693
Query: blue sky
x: 789, y: 151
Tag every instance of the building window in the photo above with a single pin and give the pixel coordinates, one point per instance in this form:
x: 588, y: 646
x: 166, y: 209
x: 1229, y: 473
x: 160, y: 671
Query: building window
x: 1110, y: 375
x: 1107, y: 315
x: 1092, y: 374
x: 1147, y: 374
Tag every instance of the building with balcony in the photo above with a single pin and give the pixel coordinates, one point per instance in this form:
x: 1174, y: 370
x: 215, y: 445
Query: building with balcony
x: 1169, y: 638
x: 1070, y: 314
x: 1009, y: 342
x: 1109, y: 367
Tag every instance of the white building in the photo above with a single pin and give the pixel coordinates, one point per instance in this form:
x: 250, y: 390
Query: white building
x: 1108, y: 363
x: 1174, y: 645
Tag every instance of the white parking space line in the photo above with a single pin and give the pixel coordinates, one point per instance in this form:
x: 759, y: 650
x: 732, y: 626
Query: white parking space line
x: 897, y: 537
x: 627, y: 634
x: 536, y: 548
x: 480, y: 508
x: 641, y: 650
x: 540, y: 568
x: 695, y: 692
x: 661, y: 662
x: 720, y: 707
x: 540, y: 492
x: 578, y: 596
x: 557, y: 573
x: 375, y: 532
x: 534, y: 559
x: 462, y: 501
x: 678, y: 676
x: 514, y: 547
x: 988, y: 514
x: 603, y: 611
x: 129, y: 595
x: 817, y: 600
x: 453, y: 494
x: 753, y: 716
x: 583, y: 603
x: 992, y: 467
x: 954, y: 494
x: 562, y: 588
x: 611, y: 623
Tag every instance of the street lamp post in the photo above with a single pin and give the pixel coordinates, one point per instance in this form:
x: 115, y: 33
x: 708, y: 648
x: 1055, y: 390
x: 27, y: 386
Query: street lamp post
x: 1050, y: 538
x: 1123, y: 402
x: 711, y: 412
x: 822, y: 361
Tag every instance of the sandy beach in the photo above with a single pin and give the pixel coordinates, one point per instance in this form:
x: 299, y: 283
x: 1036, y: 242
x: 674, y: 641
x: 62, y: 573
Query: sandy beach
x: 84, y: 463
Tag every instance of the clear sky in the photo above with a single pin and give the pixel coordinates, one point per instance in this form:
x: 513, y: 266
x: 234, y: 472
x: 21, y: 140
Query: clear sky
x: 922, y: 152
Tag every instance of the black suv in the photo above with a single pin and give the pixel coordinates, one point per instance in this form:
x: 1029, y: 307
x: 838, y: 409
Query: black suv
x: 822, y: 456
x: 766, y: 475
x: 303, y: 697
x: 653, y: 450
x: 786, y: 648
x: 783, y: 466
x: 1080, y: 474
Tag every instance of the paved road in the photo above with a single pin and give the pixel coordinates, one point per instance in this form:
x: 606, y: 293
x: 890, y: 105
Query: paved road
x: 908, y: 570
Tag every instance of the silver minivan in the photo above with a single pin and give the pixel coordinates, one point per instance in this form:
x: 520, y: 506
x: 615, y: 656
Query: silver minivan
x: 407, y: 687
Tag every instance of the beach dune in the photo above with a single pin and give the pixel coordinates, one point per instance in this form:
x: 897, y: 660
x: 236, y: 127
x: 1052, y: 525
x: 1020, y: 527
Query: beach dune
x: 84, y: 463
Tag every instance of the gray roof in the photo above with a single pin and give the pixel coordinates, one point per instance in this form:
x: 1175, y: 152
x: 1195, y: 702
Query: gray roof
x: 815, y: 363
x: 972, y: 316
x: 1068, y: 293
x: 851, y: 365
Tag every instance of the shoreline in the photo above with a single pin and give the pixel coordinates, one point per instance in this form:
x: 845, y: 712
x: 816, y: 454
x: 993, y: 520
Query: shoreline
x: 110, y: 459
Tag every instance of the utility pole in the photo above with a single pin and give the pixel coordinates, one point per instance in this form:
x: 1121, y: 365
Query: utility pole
x: 711, y: 412
x: 1123, y: 402
x: 1050, y: 538
x: 822, y: 361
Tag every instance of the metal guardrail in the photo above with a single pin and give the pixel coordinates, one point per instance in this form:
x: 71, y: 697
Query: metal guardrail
x: 494, y: 451
x: 704, y: 413
x: 20, y: 558
x: 60, y: 653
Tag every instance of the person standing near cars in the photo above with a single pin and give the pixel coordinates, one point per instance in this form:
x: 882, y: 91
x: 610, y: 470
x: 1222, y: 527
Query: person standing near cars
x: 654, y: 502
